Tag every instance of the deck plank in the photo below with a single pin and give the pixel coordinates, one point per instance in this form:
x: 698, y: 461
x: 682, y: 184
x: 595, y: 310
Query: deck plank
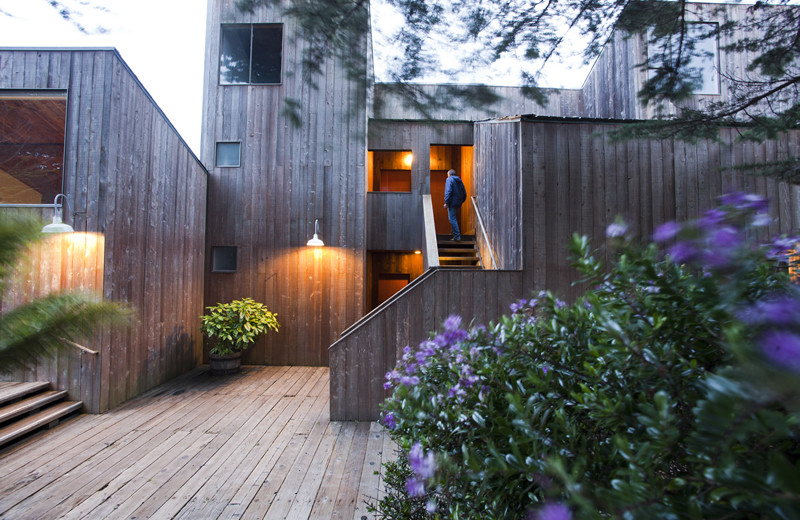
x: 257, y: 444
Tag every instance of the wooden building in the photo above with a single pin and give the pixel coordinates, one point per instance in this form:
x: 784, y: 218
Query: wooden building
x: 78, y: 122
x: 287, y: 150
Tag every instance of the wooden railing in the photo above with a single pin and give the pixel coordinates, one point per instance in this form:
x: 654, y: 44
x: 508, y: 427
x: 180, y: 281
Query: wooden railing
x: 364, y: 353
x: 484, y: 241
x: 430, y: 253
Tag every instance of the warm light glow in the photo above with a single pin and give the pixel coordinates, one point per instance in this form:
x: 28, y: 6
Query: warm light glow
x: 417, y: 252
x: 408, y: 159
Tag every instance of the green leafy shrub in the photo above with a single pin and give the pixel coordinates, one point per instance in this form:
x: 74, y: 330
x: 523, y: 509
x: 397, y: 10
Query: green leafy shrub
x: 670, y: 389
x: 234, y: 326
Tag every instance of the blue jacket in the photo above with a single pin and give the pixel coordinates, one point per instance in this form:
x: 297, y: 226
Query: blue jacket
x: 451, y: 192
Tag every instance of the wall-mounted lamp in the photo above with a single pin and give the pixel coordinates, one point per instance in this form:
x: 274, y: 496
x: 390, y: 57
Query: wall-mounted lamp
x: 315, y: 240
x: 58, y: 225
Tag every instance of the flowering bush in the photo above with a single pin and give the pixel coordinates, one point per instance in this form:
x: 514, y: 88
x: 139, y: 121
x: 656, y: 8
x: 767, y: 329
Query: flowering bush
x: 670, y: 389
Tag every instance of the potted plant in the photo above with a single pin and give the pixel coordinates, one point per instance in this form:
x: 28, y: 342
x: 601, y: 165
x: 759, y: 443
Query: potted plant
x: 233, y: 327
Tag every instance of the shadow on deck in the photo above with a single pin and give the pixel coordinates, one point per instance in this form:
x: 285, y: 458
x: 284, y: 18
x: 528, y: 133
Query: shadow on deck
x: 256, y: 445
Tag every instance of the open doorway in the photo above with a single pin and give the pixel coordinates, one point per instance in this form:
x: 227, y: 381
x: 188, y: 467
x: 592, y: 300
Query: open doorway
x: 444, y: 158
x: 388, y: 272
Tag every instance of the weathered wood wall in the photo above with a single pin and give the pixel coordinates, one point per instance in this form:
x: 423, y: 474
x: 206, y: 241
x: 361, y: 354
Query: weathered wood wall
x: 610, y: 89
x: 394, y: 220
x: 290, y: 175
x: 576, y: 180
x: 60, y: 262
x: 130, y: 177
x: 360, y: 360
x: 498, y: 190
x: 445, y: 103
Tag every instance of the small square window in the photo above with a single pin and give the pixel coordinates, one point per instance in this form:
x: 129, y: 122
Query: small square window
x: 228, y: 155
x: 223, y: 259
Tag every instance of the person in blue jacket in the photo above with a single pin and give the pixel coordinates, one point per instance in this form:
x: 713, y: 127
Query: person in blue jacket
x: 454, y: 196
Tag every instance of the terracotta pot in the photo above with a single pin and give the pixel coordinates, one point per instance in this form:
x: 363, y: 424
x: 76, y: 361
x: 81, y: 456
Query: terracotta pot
x: 222, y: 365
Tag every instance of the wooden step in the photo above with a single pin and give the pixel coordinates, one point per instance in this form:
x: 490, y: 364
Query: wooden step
x: 458, y: 259
x: 47, y: 417
x: 10, y: 392
x: 30, y: 404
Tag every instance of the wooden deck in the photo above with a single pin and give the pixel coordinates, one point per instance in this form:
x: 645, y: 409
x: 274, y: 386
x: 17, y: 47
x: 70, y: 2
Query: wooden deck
x: 255, y: 445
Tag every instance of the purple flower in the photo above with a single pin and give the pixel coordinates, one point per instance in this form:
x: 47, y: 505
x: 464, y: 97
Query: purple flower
x: 518, y: 306
x: 422, y: 464
x: 616, y: 229
x: 713, y: 218
x: 545, y: 368
x: 724, y: 238
x: 745, y: 201
x: 409, y: 380
x: 389, y: 421
x: 782, y: 347
x: 414, y: 487
x: 554, y: 511
x: 666, y: 232
x: 780, y: 310
x: 682, y: 252
x: 452, y: 323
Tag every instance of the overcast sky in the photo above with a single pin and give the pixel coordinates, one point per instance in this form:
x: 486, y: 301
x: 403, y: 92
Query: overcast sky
x: 162, y: 41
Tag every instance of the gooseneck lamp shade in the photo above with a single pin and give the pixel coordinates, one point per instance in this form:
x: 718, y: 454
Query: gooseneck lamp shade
x: 315, y: 240
x: 58, y: 225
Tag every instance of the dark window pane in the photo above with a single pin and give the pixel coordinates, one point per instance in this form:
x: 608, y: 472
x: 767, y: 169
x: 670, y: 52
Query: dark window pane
x: 228, y: 154
x: 267, y: 49
x: 223, y: 259
x: 234, y: 59
x: 31, y: 146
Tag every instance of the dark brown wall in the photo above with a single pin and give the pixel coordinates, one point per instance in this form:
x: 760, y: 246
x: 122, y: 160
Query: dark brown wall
x: 289, y: 176
x: 361, y: 359
x: 132, y: 179
x: 576, y: 180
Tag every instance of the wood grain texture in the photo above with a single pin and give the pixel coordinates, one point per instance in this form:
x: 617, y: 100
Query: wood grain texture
x: 259, y: 444
x: 290, y: 176
x: 137, y: 199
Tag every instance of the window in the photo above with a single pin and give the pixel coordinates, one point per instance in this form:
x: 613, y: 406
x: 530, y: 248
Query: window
x: 703, y: 65
x: 228, y: 155
x: 31, y: 146
x: 223, y: 259
x: 251, y: 54
x: 389, y: 170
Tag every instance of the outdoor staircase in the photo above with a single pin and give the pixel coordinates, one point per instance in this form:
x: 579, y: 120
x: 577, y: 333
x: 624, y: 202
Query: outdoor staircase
x: 463, y: 254
x: 28, y: 407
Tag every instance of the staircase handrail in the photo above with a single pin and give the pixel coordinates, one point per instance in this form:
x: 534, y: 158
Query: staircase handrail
x: 399, y: 294
x: 483, y: 232
x: 430, y: 255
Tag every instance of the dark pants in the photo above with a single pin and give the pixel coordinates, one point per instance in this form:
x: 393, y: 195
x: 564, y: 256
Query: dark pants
x: 452, y: 213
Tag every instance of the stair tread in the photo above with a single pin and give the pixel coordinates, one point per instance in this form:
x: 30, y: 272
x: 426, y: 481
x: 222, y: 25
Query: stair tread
x: 14, y: 391
x: 31, y: 403
x: 38, y: 420
x: 459, y: 258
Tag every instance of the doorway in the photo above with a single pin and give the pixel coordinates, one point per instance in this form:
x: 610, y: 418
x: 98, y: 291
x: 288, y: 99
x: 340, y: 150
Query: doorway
x: 444, y: 158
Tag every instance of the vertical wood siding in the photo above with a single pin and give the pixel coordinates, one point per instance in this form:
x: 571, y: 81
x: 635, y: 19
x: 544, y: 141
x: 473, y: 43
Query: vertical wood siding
x: 498, y: 189
x: 576, y: 180
x: 394, y: 220
x: 390, y: 104
x: 289, y: 176
x: 130, y: 178
x: 360, y: 360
